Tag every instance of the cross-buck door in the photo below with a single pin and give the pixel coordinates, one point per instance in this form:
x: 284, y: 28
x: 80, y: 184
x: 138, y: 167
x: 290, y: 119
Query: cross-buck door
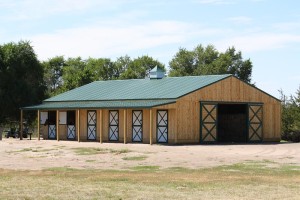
x: 113, y: 125
x: 91, y: 125
x: 52, y: 131
x: 255, y: 122
x: 137, y: 126
x: 71, y: 132
x: 51, y: 124
x: 162, y: 126
x: 208, y: 122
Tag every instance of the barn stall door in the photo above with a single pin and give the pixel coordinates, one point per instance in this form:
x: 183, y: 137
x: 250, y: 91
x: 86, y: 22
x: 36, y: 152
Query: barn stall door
x: 113, y: 125
x: 137, y: 126
x: 51, y: 124
x: 255, y: 122
x: 52, y: 131
x: 71, y: 132
x: 91, y: 126
x: 162, y: 126
x: 208, y: 122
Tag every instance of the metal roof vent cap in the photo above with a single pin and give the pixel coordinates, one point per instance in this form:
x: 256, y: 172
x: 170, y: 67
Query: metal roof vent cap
x: 157, y: 73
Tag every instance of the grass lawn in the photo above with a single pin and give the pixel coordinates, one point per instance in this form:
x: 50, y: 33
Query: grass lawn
x: 249, y: 180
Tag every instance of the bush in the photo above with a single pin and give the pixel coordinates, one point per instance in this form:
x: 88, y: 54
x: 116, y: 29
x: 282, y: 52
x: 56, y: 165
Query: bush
x: 293, y: 136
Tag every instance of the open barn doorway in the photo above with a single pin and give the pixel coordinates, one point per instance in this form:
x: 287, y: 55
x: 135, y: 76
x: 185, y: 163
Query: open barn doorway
x: 232, y: 122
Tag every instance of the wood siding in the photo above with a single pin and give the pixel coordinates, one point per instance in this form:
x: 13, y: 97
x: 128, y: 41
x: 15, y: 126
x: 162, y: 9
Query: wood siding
x: 230, y: 90
x: 184, y: 115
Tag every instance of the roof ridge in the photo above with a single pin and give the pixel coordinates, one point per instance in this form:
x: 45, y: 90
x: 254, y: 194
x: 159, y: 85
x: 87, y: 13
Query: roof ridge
x: 166, y: 88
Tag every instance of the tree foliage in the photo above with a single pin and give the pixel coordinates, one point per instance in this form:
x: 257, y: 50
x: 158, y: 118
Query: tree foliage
x: 53, y: 74
x: 25, y: 81
x: 207, y: 60
x: 290, y: 112
x: 137, y: 68
x: 62, y: 75
x: 21, y: 79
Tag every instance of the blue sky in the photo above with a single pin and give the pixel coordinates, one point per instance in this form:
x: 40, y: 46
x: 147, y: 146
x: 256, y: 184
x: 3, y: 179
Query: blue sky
x: 266, y: 31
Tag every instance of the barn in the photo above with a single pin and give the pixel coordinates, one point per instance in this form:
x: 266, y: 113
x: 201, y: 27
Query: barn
x: 159, y: 109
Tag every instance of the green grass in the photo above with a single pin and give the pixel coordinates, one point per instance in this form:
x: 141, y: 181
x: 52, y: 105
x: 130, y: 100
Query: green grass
x: 89, y: 161
x: 137, y: 158
x: 31, y: 149
x: 88, y: 151
x: 93, y: 151
x: 147, y: 168
x: 247, y: 180
x: 120, y: 151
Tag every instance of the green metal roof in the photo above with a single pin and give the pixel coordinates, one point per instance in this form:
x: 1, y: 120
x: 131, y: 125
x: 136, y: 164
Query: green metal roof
x: 134, y: 93
x: 100, y: 104
x: 138, y: 89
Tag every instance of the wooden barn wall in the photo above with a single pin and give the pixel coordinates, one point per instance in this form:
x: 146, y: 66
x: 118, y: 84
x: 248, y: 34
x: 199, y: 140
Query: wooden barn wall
x: 227, y: 90
x: 184, y: 115
x: 83, y: 125
x: 44, y: 131
x: 105, y: 125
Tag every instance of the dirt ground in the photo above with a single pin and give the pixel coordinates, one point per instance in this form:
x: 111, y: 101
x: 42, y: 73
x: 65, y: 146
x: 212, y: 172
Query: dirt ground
x: 37, y: 155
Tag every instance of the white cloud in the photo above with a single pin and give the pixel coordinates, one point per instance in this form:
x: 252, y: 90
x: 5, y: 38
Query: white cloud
x: 35, y: 9
x: 259, y: 41
x: 215, y: 2
x: 107, y: 41
x: 287, y: 26
x: 241, y: 20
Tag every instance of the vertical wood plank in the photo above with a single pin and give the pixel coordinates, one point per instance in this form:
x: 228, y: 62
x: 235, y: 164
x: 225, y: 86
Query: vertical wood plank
x: 38, y: 124
x: 125, y: 123
x: 100, y: 126
x: 57, y: 125
x: 78, y: 125
x: 151, y: 126
x: 21, y: 125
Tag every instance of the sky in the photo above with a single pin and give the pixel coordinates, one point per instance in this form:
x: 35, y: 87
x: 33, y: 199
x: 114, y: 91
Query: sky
x: 266, y: 31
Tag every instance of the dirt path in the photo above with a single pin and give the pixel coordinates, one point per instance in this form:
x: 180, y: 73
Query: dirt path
x: 36, y: 155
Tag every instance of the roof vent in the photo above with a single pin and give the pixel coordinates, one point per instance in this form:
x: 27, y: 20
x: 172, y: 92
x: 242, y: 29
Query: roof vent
x: 157, y: 73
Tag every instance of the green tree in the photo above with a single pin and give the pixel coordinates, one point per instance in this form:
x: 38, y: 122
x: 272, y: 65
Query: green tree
x: 137, y: 68
x: 21, y: 79
x: 102, y: 69
x: 122, y: 64
x: 290, y: 112
x: 53, y: 69
x: 75, y: 74
x: 207, y: 60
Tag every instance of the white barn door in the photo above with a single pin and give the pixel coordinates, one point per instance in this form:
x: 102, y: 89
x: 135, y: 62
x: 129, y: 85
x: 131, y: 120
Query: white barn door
x: 162, y: 126
x: 137, y: 126
x: 91, y: 125
x: 113, y: 134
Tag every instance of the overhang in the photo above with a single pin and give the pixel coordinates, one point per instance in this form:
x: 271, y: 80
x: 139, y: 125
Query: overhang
x: 67, y: 105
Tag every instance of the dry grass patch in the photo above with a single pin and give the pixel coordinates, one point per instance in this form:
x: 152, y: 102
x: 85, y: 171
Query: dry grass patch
x: 94, y: 151
x: 135, y: 158
x: 240, y: 181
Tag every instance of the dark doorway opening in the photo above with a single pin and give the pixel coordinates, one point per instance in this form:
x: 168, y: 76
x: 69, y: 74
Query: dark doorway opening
x: 232, y: 122
x: 71, y: 132
x: 71, y: 117
x: 52, y: 118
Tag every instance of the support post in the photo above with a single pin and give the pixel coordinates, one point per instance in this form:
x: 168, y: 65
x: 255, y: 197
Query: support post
x: 78, y: 125
x: 100, y: 126
x: 125, y: 126
x: 176, y: 136
x: 38, y: 124
x: 151, y: 126
x: 57, y: 125
x: 21, y: 125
